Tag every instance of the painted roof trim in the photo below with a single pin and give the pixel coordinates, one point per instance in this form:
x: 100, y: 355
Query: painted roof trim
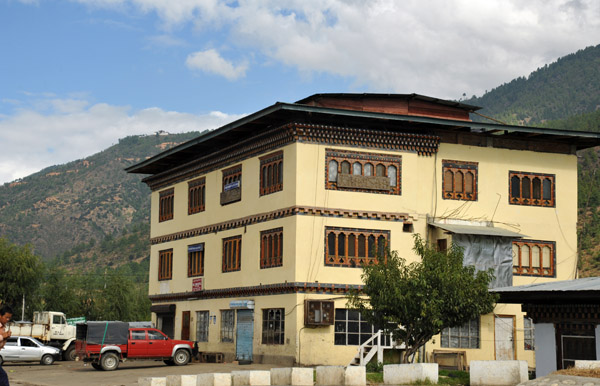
x: 478, y: 127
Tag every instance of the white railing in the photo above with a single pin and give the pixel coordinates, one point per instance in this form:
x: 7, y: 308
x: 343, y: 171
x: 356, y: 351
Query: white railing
x: 374, y: 345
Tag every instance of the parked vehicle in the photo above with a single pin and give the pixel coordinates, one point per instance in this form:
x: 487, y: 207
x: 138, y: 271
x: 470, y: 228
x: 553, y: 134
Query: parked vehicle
x: 28, y: 349
x: 50, y: 328
x: 106, y: 344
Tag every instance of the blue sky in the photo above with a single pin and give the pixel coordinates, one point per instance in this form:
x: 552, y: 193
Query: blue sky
x: 75, y: 76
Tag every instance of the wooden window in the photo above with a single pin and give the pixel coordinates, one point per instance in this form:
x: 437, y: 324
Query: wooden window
x: 271, y: 248
x: 534, y: 258
x: 459, y: 180
x: 232, y: 185
x: 362, y: 172
x: 351, y: 329
x: 273, y: 326
x: 165, y: 264
x: 202, y: 322
x: 346, y: 247
x: 165, y: 204
x: 227, y: 325
x: 528, y: 333
x: 196, y: 260
x: 271, y: 173
x: 232, y: 252
x: 465, y: 336
x: 196, y: 195
x: 533, y: 189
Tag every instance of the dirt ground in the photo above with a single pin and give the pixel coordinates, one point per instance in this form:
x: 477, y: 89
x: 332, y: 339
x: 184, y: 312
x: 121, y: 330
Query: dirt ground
x: 78, y: 374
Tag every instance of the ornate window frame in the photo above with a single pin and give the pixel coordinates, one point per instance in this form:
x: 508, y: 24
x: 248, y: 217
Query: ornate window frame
x: 232, y: 254
x: 352, y: 247
x: 166, y: 200
x: 197, y: 195
x: 363, y: 172
x: 271, y: 248
x: 271, y: 173
x: 534, y: 263
x: 531, y: 189
x: 165, y: 264
x: 459, y: 180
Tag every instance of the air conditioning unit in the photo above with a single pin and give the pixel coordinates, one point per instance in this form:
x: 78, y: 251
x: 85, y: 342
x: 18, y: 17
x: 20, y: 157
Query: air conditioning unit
x: 318, y: 312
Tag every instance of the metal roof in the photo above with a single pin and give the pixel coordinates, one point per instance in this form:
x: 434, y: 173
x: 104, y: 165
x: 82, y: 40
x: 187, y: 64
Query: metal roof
x: 477, y: 230
x: 584, y: 290
x: 426, y: 98
x: 282, y: 113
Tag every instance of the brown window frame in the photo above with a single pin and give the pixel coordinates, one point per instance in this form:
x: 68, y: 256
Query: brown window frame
x: 197, y: 196
x: 528, y: 270
x: 356, y: 261
x: 166, y: 200
x: 271, y: 173
x: 165, y: 264
x: 271, y: 248
x: 454, y: 188
x: 273, y: 329
x: 231, y: 175
x: 362, y: 158
x: 527, y: 190
x: 232, y: 254
x: 196, y: 260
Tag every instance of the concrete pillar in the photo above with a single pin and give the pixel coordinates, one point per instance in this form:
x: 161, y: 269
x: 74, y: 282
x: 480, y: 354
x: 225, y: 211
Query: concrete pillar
x: 330, y: 375
x: 152, y: 381
x: 545, y: 349
x: 292, y: 376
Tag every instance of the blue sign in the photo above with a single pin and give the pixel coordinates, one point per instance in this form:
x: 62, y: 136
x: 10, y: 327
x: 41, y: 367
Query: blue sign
x: 231, y: 186
x: 196, y: 248
x: 242, y: 304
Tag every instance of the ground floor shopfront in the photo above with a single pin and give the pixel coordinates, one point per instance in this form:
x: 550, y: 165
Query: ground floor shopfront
x: 315, y: 328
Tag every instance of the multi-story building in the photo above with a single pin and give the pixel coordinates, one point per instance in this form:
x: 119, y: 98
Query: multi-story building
x: 259, y: 228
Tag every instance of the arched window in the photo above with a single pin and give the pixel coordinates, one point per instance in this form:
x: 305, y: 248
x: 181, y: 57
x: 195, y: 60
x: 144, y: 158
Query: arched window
x: 333, y: 171
x: 392, y: 175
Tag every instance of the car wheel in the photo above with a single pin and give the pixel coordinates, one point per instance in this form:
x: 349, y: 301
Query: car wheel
x: 47, y: 359
x: 96, y: 366
x: 109, y: 362
x: 181, y: 357
x: 70, y: 354
x: 169, y: 362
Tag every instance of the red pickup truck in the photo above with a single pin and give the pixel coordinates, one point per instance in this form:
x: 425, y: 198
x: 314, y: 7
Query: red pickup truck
x: 106, y: 344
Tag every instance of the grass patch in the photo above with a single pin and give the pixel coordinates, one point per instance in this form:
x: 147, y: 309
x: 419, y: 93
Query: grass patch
x: 374, y: 378
x: 454, y: 377
x: 446, y: 377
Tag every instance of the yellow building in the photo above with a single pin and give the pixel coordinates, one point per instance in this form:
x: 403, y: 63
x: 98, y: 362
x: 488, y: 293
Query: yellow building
x: 258, y: 228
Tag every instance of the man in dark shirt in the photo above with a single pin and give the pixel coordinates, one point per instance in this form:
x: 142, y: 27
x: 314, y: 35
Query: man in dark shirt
x: 5, y: 316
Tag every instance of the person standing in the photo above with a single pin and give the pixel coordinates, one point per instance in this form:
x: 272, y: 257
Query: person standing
x: 5, y: 316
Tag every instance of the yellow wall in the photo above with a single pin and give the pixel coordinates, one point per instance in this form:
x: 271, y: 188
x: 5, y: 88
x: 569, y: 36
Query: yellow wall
x: 304, y: 235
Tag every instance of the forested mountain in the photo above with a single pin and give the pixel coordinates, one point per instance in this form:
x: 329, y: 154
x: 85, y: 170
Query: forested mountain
x: 561, y: 95
x: 567, y: 87
x: 84, y: 208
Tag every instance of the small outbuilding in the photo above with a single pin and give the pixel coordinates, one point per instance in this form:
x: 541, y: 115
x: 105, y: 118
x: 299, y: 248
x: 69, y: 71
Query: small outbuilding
x: 566, y: 316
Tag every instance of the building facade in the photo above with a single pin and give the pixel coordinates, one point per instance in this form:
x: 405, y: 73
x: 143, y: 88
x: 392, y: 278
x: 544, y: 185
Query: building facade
x: 259, y: 228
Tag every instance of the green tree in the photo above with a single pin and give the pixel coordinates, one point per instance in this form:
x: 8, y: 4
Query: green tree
x: 416, y: 301
x: 21, y: 273
x: 61, y: 292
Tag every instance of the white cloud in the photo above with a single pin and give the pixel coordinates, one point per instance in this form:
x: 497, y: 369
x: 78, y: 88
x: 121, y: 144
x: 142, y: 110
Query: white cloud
x: 437, y: 47
x: 212, y: 62
x: 65, y: 130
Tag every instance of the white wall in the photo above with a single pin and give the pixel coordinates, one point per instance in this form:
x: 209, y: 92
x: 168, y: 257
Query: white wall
x: 545, y: 349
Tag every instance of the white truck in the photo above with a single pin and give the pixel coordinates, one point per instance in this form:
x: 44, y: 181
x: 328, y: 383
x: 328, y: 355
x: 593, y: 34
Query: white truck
x: 51, y: 328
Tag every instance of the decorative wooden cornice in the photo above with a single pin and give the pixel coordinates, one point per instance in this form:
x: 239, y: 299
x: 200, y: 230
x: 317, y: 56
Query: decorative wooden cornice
x: 281, y: 213
x: 268, y: 140
x: 558, y: 313
x: 259, y: 290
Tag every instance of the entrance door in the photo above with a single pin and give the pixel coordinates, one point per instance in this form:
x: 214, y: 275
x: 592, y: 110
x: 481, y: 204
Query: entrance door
x: 185, y: 325
x: 504, y: 332
x: 244, y: 335
x: 166, y: 323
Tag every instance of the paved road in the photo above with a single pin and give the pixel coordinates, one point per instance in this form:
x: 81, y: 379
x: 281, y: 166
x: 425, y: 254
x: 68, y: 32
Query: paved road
x: 77, y: 374
x: 562, y: 380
